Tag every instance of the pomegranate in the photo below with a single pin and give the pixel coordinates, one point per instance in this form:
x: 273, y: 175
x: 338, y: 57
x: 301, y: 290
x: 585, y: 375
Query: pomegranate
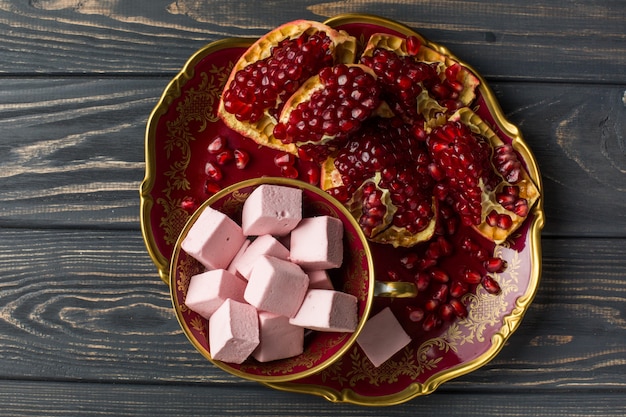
x: 381, y: 174
x: 272, y: 69
x: 328, y: 108
x: 507, y: 191
x: 418, y: 82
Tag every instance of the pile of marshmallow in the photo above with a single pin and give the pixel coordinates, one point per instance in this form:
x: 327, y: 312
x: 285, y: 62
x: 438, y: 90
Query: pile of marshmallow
x: 266, y: 280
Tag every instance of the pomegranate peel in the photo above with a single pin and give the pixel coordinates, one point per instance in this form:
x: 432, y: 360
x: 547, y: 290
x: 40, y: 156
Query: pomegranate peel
x: 238, y: 104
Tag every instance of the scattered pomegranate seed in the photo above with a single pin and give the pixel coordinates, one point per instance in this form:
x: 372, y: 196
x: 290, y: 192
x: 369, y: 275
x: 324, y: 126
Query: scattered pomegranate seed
x: 313, y: 175
x: 458, y: 289
x: 289, y: 171
x: 241, y: 158
x: 440, y: 292
x: 409, y: 260
x: 490, y: 285
x: 431, y: 322
x: 422, y: 281
x: 471, y: 276
x: 495, y: 265
x: 188, y: 204
x: 447, y: 312
x: 211, y: 187
x: 225, y: 157
x: 217, y: 144
x: 459, y: 309
x: 214, y: 172
x: 415, y: 314
x: 439, y: 275
x: 284, y: 159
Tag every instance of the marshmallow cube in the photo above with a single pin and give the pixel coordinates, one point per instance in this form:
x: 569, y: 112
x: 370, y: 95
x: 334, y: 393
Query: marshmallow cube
x: 262, y: 245
x: 233, y: 332
x: 214, y: 239
x: 232, y: 267
x: 276, y: 285
x: 208, y: 290
x: 271, y: 210
x: 279, y: 339
x: 382, y: 337
x: 327, y: 310
x: 320, y: 280
x: 317, y: 243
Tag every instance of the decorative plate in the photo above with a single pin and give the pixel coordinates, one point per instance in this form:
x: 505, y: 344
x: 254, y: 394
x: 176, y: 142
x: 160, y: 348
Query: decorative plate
x: 179, y: 130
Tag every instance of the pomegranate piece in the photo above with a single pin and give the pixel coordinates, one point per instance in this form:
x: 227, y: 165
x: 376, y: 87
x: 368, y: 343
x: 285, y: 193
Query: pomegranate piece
x: 329, y: 106
x: 386, y: 153
x: 272, y: 69
x: 460, y: 158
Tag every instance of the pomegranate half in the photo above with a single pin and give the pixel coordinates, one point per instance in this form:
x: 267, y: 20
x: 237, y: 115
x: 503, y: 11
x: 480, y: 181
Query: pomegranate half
x: 272, y: 69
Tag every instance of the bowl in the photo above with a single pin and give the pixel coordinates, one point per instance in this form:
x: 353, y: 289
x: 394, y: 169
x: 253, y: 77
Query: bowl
x: 355, y: 276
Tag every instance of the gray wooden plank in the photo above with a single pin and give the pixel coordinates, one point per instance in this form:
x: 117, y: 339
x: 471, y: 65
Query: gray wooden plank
x: 88, y: 305
x: 87, y: 399
x: 538, y: 39
x: 73, y: 151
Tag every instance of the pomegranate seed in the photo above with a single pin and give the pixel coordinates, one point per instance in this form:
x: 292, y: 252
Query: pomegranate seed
x: 471, y: 277
x: 393, y: 275
x: 521, y: 207
x: 458, y: 289
x: 504, y: 221
x: 490, y: 285
x: 313, y: 175
x: 289, y: 171
x: 447, y: 312
x: 413, y: 45
x: 409, y: 260
x: 431, y: 322
x: 459, y: 309
x: 188, y: 204
x: 495, y: 265
x: 241, y: 158
x: 492, y: 218
x: 422, y: 281
x: 439, y: 275
x: 284, y: 159
x: 416, y: 314
x: 211, y: 187
x: 225, y: 157
x: 340, y: 193
x: 214, y: 172
x: 304, y: 155
x: 217, y: 144
x: 440, y: 293
x: 431, y: 305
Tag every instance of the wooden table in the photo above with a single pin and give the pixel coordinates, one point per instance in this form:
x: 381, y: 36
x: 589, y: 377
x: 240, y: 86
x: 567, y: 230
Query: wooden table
x: 86, y: 326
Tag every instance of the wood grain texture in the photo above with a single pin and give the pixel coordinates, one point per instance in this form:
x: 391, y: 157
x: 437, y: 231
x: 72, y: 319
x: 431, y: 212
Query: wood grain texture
x: 533, y: 40
x: 86, y: 400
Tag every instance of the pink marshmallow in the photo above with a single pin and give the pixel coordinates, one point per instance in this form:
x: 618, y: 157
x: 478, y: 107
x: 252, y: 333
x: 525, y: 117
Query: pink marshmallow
x: 208, y: 290
x: 320, y: 280
x: 262, y: 245
x: 276, y: 285
x: 232, y: 267
x: 271, y: 210
x: 317, y: 243
x: 214, y: 239
x: 327, y: 310
x: 382, y: 337
x: 279, y: 338
x: 233, y: 332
